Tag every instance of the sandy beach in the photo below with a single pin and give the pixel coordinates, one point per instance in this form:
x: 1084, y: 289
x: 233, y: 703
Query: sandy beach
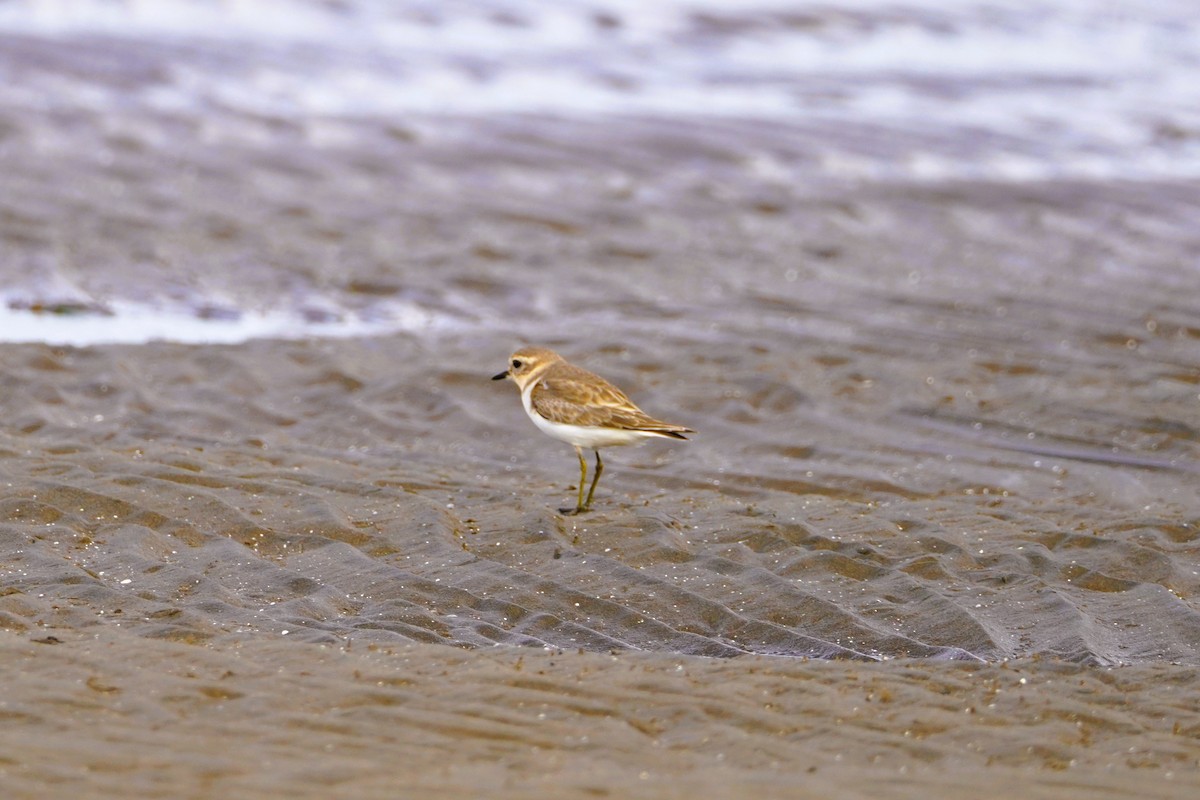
x: 428, y: 720
x: 938, y: 531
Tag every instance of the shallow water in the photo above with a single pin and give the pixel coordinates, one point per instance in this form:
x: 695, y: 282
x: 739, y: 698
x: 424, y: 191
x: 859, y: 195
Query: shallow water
x: 862, y: 499
x: 945, y: 415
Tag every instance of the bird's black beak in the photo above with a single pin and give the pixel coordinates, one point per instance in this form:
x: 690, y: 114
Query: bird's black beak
x: 500, y: 377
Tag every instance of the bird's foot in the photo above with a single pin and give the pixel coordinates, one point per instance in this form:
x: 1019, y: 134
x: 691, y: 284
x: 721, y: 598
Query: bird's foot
x: 570, y: 512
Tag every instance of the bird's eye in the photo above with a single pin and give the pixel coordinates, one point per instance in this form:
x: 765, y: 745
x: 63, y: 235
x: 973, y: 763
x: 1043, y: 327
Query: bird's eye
x: 516, y: 363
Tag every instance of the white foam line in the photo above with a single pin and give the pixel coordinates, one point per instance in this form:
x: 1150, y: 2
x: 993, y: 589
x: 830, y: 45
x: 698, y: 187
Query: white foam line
x: 131, y: 323
x: 1081, y: 88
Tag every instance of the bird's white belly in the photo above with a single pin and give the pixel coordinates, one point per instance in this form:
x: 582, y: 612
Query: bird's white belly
x: 579, y: 435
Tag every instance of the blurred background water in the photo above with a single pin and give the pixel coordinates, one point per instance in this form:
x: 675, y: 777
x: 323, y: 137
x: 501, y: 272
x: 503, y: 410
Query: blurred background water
x: 868, y: 91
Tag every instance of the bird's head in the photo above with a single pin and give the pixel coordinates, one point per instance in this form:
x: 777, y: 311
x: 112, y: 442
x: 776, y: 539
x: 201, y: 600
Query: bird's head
x: 527, y: 364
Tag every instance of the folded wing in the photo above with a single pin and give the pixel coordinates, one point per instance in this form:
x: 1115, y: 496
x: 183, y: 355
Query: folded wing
x: 587, y: 400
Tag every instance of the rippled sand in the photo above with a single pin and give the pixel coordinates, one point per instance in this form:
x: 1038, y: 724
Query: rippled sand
x: 289, y: 542
x: 938, y: 529
x: 112, y: 714
x: 385, y: 490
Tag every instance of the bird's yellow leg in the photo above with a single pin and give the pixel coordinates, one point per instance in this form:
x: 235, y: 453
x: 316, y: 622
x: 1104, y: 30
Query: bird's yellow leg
x: 582, y: 479
x: 595, y: 480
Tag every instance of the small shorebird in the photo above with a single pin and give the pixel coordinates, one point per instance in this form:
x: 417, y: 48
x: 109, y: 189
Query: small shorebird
x: 580, y: 408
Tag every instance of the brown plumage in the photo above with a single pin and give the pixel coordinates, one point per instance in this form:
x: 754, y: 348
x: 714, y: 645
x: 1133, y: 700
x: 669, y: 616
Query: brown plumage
x: 580, y: 408
x: 571, y: 395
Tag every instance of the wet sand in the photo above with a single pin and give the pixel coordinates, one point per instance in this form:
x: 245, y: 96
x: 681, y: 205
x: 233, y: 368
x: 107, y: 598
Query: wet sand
x: 937, y: 532
x: 142, y: 717
x: 292, y: 543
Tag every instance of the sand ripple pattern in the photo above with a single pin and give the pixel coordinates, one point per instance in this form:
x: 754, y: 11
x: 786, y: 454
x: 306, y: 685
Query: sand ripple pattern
x: 951, y: 419
x: 336, y: 500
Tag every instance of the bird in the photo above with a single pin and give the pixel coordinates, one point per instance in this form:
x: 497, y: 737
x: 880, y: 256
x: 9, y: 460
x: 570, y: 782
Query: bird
x: 581, y: 409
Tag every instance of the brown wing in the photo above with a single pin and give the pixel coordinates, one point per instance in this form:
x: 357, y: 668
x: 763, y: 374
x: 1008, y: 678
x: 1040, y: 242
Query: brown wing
x: 574, y: 396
